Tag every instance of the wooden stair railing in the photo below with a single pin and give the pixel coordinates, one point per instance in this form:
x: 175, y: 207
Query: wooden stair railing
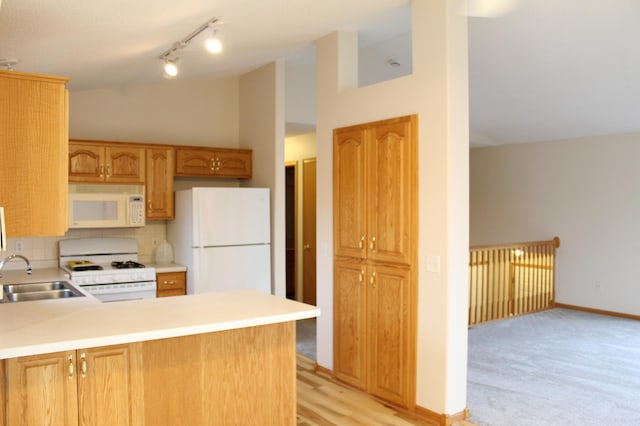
x: 511, y: 279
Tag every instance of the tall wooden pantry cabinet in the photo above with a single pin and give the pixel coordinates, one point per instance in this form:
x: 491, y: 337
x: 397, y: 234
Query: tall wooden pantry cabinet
x: 375, y: 249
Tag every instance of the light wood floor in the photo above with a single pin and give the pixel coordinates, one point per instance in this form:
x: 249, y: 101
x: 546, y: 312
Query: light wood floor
x: 322, y: 402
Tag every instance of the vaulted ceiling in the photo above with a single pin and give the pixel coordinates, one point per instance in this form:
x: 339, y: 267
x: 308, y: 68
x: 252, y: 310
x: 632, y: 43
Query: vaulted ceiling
x: 546, y: 70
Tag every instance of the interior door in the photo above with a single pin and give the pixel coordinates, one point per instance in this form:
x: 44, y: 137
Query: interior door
x: 309, y: 231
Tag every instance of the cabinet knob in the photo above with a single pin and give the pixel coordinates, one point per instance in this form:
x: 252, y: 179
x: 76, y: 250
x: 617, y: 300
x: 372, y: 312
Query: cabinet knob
x: 361, y: 244
x: 372, y: 280
x: 102, y: 171
x: 372, y: 244
x: 307, y: 247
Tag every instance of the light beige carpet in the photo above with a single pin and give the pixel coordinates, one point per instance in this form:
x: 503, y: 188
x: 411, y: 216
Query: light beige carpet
x: 555, y: 368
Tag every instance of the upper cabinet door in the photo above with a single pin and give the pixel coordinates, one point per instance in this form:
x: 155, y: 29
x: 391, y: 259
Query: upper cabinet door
x: 349, y: 193
x: 106, y: 163
x: 392, y: 188
x: 194, y: 162
x: 214, y: 162
x: 234, y: 163
x: 124, y: 164
x: 86, y: 163
x: 159, y: 183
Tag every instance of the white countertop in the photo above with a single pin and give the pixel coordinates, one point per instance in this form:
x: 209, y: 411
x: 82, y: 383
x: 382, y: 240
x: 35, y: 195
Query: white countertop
x: 31, y: 328
x: 167, y: 267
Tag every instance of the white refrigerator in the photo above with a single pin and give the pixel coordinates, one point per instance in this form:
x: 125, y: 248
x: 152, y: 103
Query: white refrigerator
x: 223, y: 237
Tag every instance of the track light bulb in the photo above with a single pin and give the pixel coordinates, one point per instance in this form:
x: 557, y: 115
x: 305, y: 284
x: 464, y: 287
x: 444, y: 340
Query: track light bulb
x: 170, y: 68
x: 213, y: 43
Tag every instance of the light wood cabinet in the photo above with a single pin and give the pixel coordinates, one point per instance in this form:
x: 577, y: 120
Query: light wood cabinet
x: 159, y: 182
x: 33, y: 167
x: 91, y: 162
x: 213, y: 162
x: 350, y: 322
x: 243, y: 377
x: 30, y: 378
x: 98, y: 386
x: 375, y: 216
x: 171, y: 284
x: 218, y: 378
x: 374, y: 176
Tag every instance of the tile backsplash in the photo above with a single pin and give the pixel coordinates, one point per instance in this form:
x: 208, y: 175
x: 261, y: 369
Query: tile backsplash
x: 45, y: 249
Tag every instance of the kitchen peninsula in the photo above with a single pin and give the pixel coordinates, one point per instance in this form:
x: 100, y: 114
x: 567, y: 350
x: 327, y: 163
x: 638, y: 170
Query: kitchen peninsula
x: 218, y: 358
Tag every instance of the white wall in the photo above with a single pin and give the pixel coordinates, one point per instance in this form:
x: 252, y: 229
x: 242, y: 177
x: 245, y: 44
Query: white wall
x: 262, y: 130
x: 437, y: 92
x: 301, y: 95
x: 584, y: 191
x: 177, y: 112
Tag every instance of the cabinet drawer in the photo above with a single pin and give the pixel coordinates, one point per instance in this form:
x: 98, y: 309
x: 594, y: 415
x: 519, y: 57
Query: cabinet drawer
x: 171, y: 283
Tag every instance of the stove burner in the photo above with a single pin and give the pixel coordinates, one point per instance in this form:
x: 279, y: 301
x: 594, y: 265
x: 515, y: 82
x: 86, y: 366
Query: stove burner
x: 126, y: 265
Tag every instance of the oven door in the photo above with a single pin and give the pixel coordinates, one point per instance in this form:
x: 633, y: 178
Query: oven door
x: 122, y: 292
x: 121, y: 297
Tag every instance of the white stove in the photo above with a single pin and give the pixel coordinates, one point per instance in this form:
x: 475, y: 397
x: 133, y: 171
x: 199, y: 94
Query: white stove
x: 107, y: 268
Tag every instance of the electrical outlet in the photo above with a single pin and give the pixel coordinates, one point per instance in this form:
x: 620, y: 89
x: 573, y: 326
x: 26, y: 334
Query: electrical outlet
x: 19, y: 247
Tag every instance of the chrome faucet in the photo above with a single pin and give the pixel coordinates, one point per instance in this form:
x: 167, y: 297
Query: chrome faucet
x: 10, y: 258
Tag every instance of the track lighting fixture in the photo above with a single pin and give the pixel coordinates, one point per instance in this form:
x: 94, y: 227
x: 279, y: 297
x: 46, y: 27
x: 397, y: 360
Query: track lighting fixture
x: 213, y: 43
x: 170, y: 58
x: 170, y: 68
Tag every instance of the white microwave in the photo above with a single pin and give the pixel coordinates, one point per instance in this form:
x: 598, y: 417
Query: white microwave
x: 106, y: 206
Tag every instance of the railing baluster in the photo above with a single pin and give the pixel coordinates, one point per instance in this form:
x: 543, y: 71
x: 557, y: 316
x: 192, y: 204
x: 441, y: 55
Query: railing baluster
x: 511, y: 279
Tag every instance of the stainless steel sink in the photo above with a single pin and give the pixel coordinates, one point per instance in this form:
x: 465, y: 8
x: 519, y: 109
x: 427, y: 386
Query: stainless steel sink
x: 40, y: 291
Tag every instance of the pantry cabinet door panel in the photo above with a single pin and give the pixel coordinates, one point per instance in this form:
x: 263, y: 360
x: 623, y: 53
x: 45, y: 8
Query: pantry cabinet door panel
x: 390, y: 182
x: 349, y: 191
x: 350, y: 332
x: 390, y: 329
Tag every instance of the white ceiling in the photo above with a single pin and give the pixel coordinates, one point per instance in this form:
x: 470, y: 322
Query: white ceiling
x: 555, y: 69
x: 549, y: 69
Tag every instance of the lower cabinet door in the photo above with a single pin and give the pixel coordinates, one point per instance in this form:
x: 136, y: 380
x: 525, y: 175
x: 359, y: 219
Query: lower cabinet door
x: 41, y: 390
x: 110, y: 386
x: 98, y: 386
